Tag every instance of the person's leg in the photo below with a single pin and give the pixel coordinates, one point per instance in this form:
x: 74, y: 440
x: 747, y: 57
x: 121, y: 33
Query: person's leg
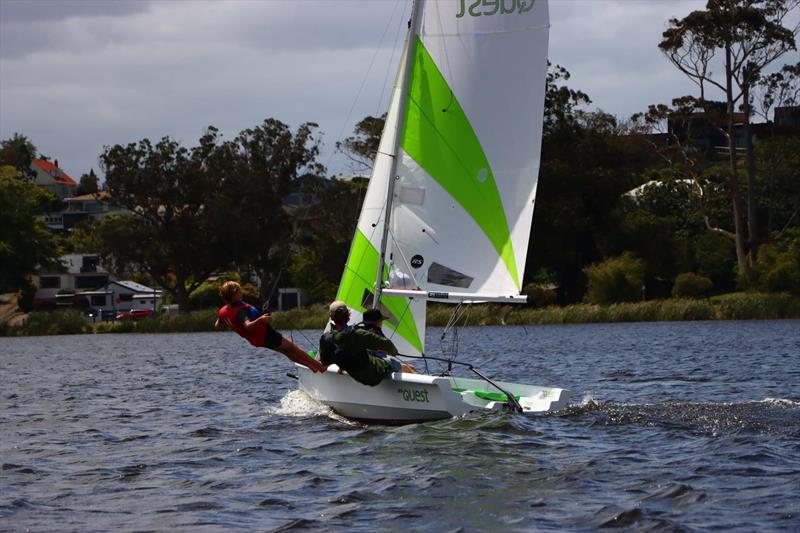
x: 296, y: 354
x: 277, y: 342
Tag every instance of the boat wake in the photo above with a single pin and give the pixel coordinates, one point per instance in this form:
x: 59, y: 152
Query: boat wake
x: 772, y: 416
x: 298, y: 404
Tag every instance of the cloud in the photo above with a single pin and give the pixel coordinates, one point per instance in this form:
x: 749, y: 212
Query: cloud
x: 78, y: 75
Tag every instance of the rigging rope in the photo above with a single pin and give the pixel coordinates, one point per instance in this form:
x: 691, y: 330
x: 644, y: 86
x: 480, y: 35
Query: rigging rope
x: 363, y: 83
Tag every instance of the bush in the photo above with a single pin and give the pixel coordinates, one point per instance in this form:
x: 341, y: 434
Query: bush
x: 691, y: 285
x: 66, y: 322
x: 25, y: 296
x: 777, y: 266
x: 540, y: 295
x: 615, y: 280
x: 207, y: 294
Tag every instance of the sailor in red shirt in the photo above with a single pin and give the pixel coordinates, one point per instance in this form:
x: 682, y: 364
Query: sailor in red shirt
x: 244, y: 319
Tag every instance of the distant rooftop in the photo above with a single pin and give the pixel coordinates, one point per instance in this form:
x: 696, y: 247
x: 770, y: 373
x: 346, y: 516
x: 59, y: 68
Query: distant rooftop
x: 54, y: 171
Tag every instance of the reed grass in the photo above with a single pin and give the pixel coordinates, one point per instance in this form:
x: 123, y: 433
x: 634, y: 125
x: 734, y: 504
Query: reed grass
x: 63, y: 322
x: 734, y: 306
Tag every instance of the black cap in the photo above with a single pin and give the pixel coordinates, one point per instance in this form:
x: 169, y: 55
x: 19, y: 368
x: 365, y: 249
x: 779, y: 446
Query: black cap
x: 372, y: 316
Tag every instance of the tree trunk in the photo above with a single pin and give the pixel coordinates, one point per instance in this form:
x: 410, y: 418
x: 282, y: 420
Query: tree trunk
x: 752, y: 203
x: 741, y: 254
x: 181, y: 294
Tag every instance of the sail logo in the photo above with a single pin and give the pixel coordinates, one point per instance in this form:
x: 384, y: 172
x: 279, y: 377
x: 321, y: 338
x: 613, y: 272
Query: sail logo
x: 414, y: 395
x: 487, y: 8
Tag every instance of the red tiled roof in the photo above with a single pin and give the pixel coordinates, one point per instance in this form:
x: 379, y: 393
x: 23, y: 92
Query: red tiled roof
x: 61, y: 177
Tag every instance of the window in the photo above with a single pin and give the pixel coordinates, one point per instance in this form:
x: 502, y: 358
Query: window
x: 90, y: 282
x: 98, y: 300
x: 49, y: 282
x: 443, y: 275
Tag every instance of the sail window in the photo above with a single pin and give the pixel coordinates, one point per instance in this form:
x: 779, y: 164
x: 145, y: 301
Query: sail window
x: 412, y: 195
x: 442, y: 275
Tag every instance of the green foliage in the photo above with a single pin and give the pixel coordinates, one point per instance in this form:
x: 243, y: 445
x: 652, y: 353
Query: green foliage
x: 714, y: 257
x: 617, y: 279
x: 88, y: 183
x: 18, y: 152
x: 25, y: 295
x: 691, y: 285
x: 777, y: 266
x: 314, y: 318
x: 65, y: 322
x: 778, y: 162
x: 83, y: 239
x: 202, y: 209
x: 540, y: 295
x: 25, y: 242
x: 207, y: 294
x: 756, y: 306
x: 323, y: 236
x: 307, y: 271
x: 362, y: 147
x: 588, y: 164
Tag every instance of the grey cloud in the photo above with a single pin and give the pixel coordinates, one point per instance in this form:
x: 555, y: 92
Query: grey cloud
x: 27, y: 27
x: 42, y: 10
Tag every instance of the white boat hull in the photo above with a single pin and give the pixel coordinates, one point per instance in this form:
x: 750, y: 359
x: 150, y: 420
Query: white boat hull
x: 407, y: 398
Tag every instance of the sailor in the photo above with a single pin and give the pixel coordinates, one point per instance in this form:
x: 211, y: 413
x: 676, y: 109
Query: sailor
x: 339, y: 314
x: 368, y: 357
x: 246, y: 320
x: 372, y: 320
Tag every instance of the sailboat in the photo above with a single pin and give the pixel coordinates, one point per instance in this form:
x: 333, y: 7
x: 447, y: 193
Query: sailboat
x: 448, y: 211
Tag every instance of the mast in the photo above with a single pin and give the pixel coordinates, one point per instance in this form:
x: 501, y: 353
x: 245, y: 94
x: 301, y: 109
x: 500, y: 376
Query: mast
x: 413, y: 30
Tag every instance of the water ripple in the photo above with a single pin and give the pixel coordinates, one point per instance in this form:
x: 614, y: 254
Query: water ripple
x: 673, y: 427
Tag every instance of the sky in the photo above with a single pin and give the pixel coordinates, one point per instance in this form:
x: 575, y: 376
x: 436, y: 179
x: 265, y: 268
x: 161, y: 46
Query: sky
x: 78, y: 75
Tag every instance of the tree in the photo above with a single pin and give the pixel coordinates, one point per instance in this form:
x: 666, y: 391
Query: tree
x: 617, y: 279
x: 362, y: 147
x: 18, y: 152
x: 200, y: 210
x: 25, y: 242
x: 560, y: 102
x: 588, y: 163
x: 87, y: 184
x: 83, y: 239
x: 168, y: 234
x: 777, y: 157
x: 751, y: 36
x: 325, y: 232
x: 256, y: 171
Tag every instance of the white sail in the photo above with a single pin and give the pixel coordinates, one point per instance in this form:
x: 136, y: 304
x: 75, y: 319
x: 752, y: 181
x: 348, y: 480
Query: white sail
x: 466, y: 172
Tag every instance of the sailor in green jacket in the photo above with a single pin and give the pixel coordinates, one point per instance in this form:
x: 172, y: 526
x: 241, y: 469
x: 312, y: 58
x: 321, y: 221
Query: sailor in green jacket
x: 365, y: 355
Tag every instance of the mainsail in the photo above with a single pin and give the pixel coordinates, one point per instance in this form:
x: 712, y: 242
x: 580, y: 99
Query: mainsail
x: 460, y: 156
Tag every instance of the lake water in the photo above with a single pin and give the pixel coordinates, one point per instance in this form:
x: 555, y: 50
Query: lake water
x: 673, y: 427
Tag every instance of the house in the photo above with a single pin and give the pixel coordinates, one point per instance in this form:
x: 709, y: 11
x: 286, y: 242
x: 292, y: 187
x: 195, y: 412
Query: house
x: 82, y: 272
x: 53, y: 178
x: 86, y: 285
x: 94, y: 205
x: 705, y: 130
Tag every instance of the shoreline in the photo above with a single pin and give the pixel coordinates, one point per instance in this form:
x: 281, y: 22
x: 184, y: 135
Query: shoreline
x: 735, y: 306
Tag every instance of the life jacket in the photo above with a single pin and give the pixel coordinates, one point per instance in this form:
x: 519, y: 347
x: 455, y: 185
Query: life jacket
x: 359, y: 364
x: 229, y: 314
x: 329, y: 351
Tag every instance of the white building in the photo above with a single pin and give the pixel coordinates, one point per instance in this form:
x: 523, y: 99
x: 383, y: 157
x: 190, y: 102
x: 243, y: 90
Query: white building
x: 53, y: 178
x: 87, y: 285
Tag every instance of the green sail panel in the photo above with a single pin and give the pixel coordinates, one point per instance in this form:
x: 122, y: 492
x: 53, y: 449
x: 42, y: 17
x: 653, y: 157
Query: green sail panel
x: 438, y: 135
x: 359, y: 276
